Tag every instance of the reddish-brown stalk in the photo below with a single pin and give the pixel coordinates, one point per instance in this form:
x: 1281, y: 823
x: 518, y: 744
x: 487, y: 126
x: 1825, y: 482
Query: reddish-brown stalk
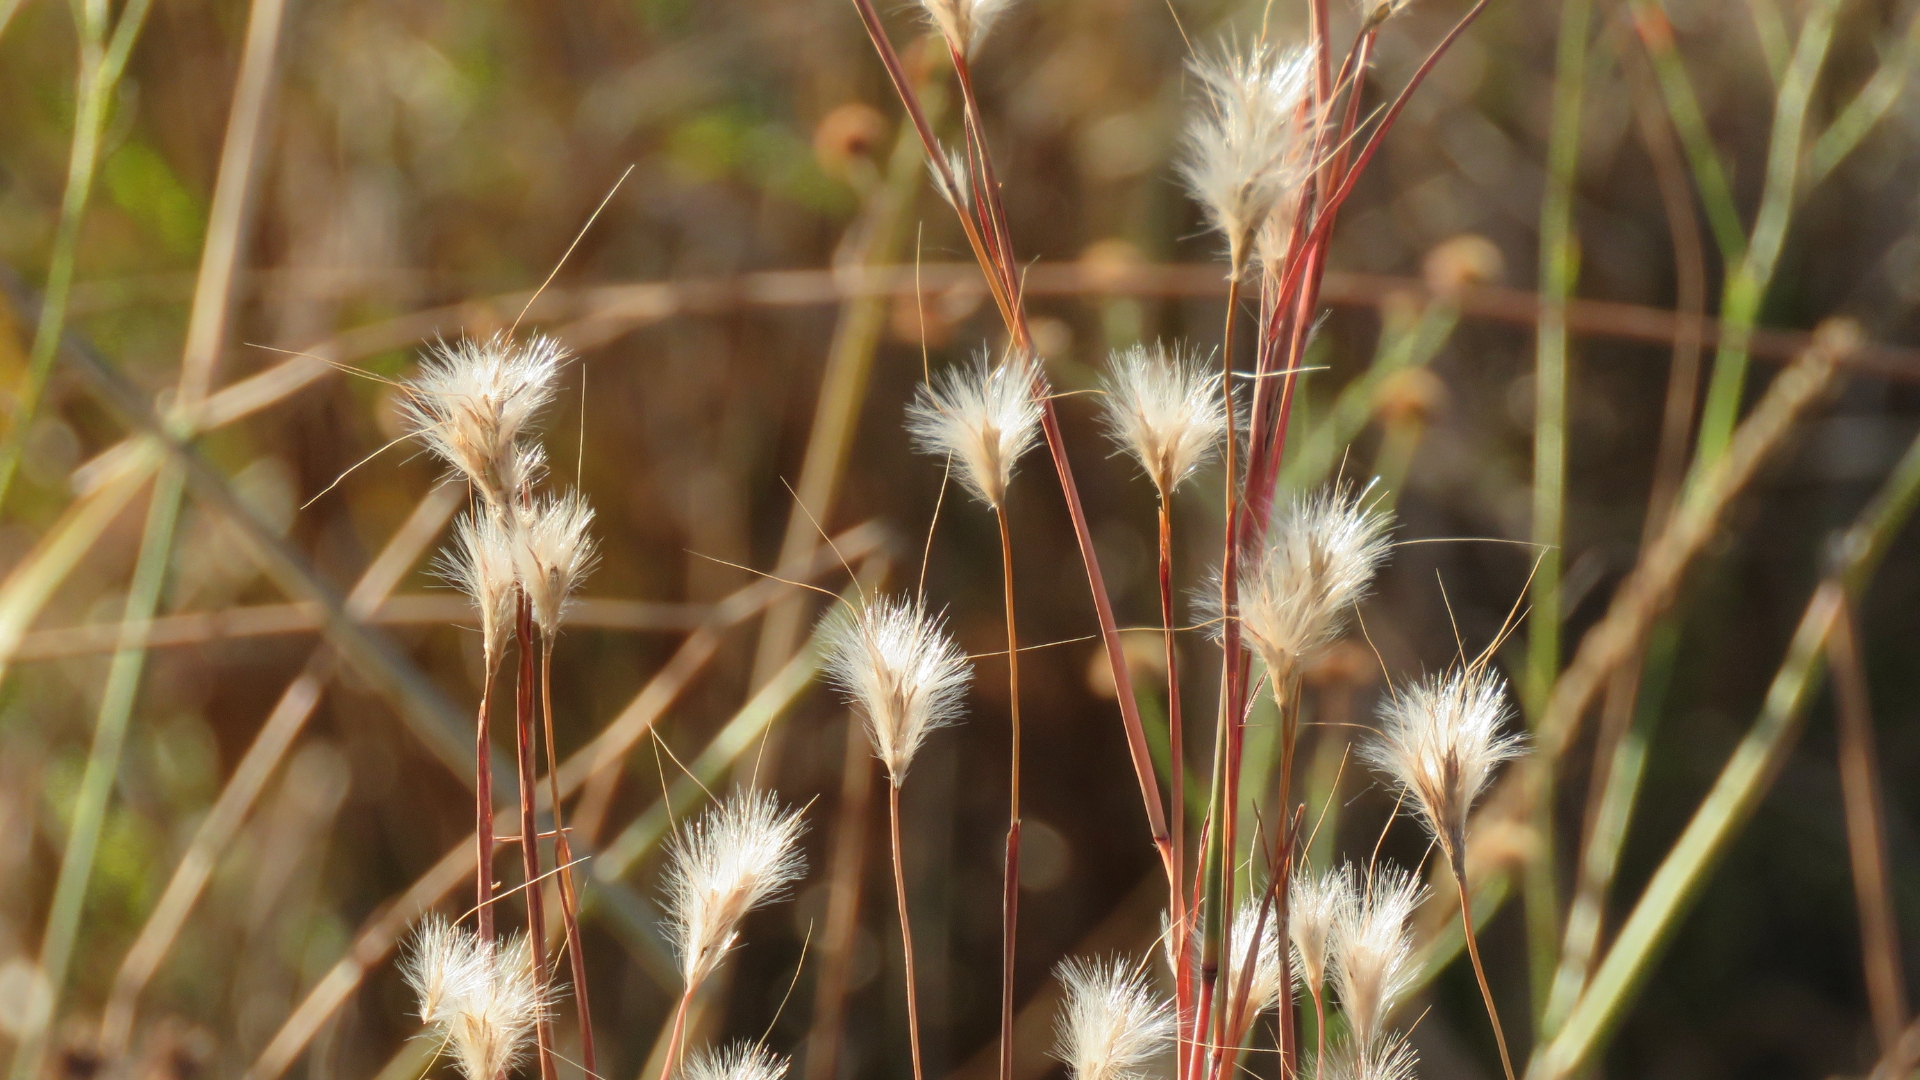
x: 674, y: 1036
x: 1227, y: 756
x: 483, y: 815
x: 1473, y: 953
x: 906, y: 928
x: 530, y: 827
x: 1010, y: 898
x: 563, y: 863
x: 1177, y: 758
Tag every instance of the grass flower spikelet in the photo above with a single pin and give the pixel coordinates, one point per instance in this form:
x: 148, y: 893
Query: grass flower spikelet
x: 1112, y: 1025
x: 739, y: 1061
x: 983, y: 417
x: 964, y: 23
x: 1315, y: 903
x: 896, y: 663
x: 1319, y: 560
x: 1166, y: 409
x: 1264, y: 991
x: 480, y: 563
x: 480, y: 1000
x: 1249, y: 148
x: 472, y: 400
x: 1373, y: 962
x: 553, y: 554
x: 1440, y: 740
x: 733, y: 858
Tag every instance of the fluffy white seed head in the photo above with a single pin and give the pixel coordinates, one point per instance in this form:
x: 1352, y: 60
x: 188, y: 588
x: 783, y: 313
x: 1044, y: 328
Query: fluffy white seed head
x: 728, y: 861
x: 1264, y: 991
x: 553, y: 554
x: 1320, y: 557
x: 1112, y: 1025
x: 1249, y: 147
x: 1166, y: 409
x: 480, y: 1000
x: 740, y: 1061
x: 1391, y: 1059
x: 472, y: 400
x: 1373, y: 951
x: 983, y: 417
x: 1315, y: 903
x: 897, y: 665
x: 480, y: 563
x: 1440, y: 740
x: 964, y: 23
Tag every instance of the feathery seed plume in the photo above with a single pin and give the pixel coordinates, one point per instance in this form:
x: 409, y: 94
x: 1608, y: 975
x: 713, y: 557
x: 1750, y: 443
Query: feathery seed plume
x: 1315, y: 902
x: 740, y: 1061
x: 733, y: 858
x: 1111, y: 1026
x: 983, y: 417
x: 1392, y: 1059
x: 479, y: 999
x: 479, y: 562
x: 1165, y: 408
x: 1264, y: 991
x: 895, y: 662
x: 1375, y: 12
x: 1440, y: 741
x: 1321, y: 554
x: 1373, y: 952
x: 964, y: 23
x: 1248, y: 149
x: 472, y: 400
x: 554, y: 554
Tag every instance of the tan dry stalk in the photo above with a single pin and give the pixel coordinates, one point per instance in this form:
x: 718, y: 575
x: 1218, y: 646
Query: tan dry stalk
x: 906, y: 927
x: 563, y: 864
x: 1010, y: 884
x: 1866, y: 831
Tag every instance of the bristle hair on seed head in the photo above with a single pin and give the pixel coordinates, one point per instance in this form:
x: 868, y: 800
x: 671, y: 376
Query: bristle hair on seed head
x: 480, y: 563
x: 736, y: 856
x: 1166, y: 409
x: 964, y: 23
x: 479, y: 999
x: 983, y: 417
x: 1375, y: 12
x: 895, y: 663
x: 1112, y: 1025
x: 1321, y: 553
x: 1373, y: 963
x: 553, y: 554
x: 1315, y: 903
x: 738, y: 1061
x: 1391, y: 1059
x: 1250, y: 146
x: 1440, y: 740
x: 472, y: 401
x: 1263, y: 992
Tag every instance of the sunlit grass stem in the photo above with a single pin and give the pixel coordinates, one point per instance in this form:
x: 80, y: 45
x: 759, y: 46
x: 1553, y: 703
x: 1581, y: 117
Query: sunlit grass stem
x: 1010, y: 897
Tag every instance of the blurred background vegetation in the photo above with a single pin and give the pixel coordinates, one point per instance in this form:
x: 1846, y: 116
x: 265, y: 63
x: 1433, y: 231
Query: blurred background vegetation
x: 421, y: 166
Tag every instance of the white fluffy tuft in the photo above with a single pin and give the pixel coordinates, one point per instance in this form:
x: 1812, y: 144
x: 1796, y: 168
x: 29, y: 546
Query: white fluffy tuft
x: 1315, y: 903
x: 1112, y: 1025
x: 472, y: 400
x: 964, y: 23
x: 1320, y: 558
x: 1165, y: 408
x: 1373, y: 965
x: 740, y: 1061
x: 983, y: 418
x: 480, y: 563
x: 1249, y: 149
x: 553, y: 554
x: 733, y: 858
x: 1440, y: 740
x: 480, y: 1000
x: 895, y: 662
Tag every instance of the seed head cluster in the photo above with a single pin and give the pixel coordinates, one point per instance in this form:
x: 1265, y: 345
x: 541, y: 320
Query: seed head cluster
x: 1373, y: 951
x: 897, y: 665
x: 479, y: 999
x: 733, y: 858
x: 1112, y: 1025
x: 473, y: 400
x: 739, y: 1061
x: 1167, y: 410
x: 983, y: 418
x: 1320, y: 558
x: 1440, y: 740
x: 1250, y: 148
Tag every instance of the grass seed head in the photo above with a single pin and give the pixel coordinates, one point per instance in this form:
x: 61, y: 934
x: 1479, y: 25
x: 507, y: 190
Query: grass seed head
x: 1166, y: 409
x: 983, y: 417
x: 472, y: 400
x: 1264, y: 991
x: 1112, y: 1025
x: 897, y: 665
x: 739, y: 1061
x: 738, y: 855
x: 480, y: 1000
x: 1250, y: 146
x: 553, y: 554
x: 1320, y: 558
x: 480, y: 563
x: 1373, y: 964
x: 1315, y: 903
x: 1441, y: 740
x: 964, y: 23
